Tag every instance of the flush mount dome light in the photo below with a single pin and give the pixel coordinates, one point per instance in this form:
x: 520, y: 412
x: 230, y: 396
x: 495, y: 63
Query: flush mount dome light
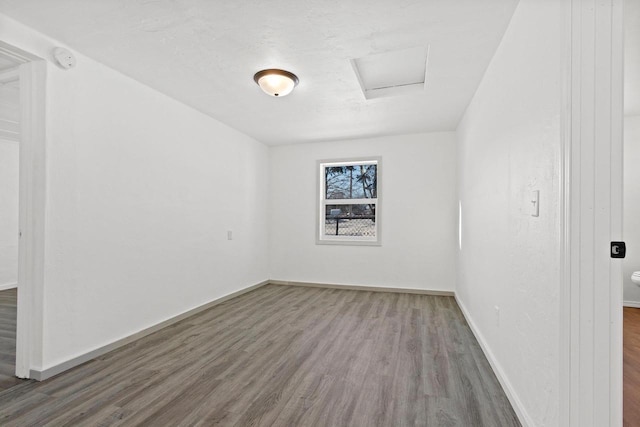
x: 276, y: 82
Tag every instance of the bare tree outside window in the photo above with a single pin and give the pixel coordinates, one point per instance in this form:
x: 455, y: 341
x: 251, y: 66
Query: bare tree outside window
x: 349, y: 198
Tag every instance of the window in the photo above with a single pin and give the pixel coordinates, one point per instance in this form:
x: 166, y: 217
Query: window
x: 349, y: 202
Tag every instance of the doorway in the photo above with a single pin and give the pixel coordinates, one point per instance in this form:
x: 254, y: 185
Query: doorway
x: 9, y: 215
x: 631, y: 216
x: 24, y: 74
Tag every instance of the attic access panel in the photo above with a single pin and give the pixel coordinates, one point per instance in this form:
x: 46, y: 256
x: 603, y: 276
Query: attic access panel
x: 392, y: 73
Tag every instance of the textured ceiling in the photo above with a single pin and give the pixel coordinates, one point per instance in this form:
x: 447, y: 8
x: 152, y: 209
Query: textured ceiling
x: 204, y: 53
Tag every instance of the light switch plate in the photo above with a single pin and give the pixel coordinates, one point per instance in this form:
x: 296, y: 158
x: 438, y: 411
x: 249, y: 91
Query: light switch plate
x: 535, y: 203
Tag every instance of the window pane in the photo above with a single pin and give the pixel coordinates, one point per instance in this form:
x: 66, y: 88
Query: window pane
x: 351, y: 182
x: 350, y: 220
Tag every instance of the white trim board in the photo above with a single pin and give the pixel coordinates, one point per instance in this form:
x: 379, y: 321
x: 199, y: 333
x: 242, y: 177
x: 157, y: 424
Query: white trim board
x: 41, y: 375
x: 19, y: 56
x: 632, y: 304
x: 364, y: 288
x: 8, y: 286
x: 515, y: 401
x: 7, y: 140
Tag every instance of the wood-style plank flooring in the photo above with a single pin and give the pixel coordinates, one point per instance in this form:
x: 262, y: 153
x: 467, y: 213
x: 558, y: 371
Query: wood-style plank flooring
x: 631, y: 387
x: 8, y: 305
x: 283, y: 356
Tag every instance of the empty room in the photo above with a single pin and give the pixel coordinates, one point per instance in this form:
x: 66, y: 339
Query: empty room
x: 313, y: 213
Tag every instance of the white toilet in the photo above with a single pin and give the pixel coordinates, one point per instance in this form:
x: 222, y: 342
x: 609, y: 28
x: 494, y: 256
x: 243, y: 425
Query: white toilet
x: 635, y: 277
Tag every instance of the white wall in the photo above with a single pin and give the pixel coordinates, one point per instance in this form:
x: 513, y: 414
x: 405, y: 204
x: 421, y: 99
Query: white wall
x: 418, y: 214
x: 509, y: 144
x: 9, y: 151
x: 141, y: 191
x: 631, y: 207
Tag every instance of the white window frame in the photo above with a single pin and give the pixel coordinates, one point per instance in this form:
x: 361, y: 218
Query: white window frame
x: 321, y: 238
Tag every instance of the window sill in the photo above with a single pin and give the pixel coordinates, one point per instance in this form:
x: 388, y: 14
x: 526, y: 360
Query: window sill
x: 347, y: 242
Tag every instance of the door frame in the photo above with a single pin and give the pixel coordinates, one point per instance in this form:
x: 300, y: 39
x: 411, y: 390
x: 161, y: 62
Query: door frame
x: 32, y: 77
x: 32, y: 199
x: 591, y: 292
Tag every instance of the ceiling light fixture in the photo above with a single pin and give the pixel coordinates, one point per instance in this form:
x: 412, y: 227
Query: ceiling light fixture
x: 276, y: 82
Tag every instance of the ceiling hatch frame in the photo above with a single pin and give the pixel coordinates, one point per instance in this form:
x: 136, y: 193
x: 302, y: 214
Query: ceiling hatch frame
x: 390, y: 85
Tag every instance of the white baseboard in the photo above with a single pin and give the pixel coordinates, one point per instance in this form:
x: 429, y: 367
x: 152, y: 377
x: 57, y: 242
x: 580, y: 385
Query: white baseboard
x: 8, y: 286
x: 41, y: 375
x: 633, y: 304
x: 364, y: 288
x: 515, y: 401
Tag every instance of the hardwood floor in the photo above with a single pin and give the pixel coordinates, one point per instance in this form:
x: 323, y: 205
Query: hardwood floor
x: 283, y: 356
x: 8, y: 303
x: 631, y: 388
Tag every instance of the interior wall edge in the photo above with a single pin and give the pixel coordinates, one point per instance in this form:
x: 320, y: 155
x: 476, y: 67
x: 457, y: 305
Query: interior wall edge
x: 632, y: 304
x: 509, y: 390
x: 45, y: 373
